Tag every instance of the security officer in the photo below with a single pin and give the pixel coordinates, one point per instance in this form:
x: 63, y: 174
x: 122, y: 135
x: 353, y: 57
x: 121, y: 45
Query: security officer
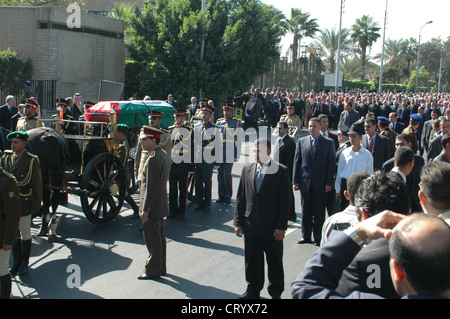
x: 154, y: 120
x: 29, y: 121
x: 207, y: 139
x: 292, y: 120
x: 122, y: 149
x: 182, y: 160
x: 26, y: 169
x: 385, y: 129
x: 9, y: 224
x: 229, y: 126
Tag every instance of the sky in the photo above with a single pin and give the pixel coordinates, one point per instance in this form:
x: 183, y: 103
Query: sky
x: 404, y: 18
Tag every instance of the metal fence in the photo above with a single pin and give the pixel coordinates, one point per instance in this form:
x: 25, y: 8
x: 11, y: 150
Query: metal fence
x: 44, y: 91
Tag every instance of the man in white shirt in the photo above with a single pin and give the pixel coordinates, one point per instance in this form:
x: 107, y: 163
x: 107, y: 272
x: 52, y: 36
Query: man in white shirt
x: 352, y: 160
x: 349, y: 216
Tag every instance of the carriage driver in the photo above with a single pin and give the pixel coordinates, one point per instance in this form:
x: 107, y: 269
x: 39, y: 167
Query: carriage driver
x: 25, y: 167
x: 29, y: 121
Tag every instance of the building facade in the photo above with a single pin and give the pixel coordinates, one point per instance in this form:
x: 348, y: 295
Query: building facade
x: 77, y: 59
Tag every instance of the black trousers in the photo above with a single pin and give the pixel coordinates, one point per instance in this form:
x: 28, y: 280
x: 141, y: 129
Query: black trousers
x: 313, y: 214
x: 178, y: 182
x: 255, y: 248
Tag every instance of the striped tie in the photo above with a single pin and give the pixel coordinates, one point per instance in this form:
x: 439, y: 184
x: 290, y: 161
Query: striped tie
x: 258, y: 179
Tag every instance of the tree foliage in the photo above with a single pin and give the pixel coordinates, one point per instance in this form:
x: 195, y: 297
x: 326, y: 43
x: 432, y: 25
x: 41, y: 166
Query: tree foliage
x: 241, y: 42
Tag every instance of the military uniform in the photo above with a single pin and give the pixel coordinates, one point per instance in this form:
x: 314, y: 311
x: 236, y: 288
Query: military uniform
x: 26, y: 169
x: 153, y: 200
x: 182, y: 161
x: 26, y: 124
x: 230, y: 143
x: 391, y: 135
x: 206, y: 137
x: 9, y: 224
x: 141, y: 155
x: 292, y: 121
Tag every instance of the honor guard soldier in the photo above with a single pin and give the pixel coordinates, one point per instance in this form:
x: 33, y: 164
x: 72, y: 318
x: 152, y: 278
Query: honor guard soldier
x: 154, y: 120
x: 229, y: 126
x: 294, y: 121
x: 206, y: 138
x: 29, y: 121
x: 9, y: 224
x: 25, y: 167
x: 153, y: 202
x: 122, y: 149
x: 182, y: 160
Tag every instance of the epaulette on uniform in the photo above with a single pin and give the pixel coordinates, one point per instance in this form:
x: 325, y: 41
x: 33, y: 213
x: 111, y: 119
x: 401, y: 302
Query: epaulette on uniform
x: 164, y: 130
x: 171, y: 127
x: 32, y: 155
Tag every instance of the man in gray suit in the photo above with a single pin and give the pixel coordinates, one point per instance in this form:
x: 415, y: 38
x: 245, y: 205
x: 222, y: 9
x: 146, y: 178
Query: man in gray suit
x: 314, y: 170
x: 348, y: 116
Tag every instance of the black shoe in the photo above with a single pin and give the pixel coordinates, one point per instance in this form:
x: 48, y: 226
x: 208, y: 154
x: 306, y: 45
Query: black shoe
x: 226, y: 201
x: 180, y: 217
x: 207, y: 208
x: 249, y: 295
x: 276, y: 297
x: 304, y: 241
x: 144, y: 276
x: 199, y: 207
x: 220, y: 200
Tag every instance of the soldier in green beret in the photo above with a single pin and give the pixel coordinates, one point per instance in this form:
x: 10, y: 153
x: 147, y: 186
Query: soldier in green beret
x: 26, y: 169
x: 9, y: 224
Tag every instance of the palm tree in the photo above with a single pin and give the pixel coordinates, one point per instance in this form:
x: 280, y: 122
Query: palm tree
x: 300, y: 25
x: 410, y: 51
x: 393, y: 51
x: 328, y: 41
x: 365, y: 33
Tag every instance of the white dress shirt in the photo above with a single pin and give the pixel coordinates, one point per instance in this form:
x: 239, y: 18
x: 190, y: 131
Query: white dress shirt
x: 353, y: 162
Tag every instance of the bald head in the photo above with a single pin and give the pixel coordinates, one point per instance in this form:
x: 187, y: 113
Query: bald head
x: 420, y: 244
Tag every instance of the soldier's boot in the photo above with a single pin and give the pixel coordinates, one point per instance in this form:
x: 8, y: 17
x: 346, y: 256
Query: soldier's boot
x: 5, y: 287
x: 26, y: 250
x: 17, y: 257
x: 43, y: 230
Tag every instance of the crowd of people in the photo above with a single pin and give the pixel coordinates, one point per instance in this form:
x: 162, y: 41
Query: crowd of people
x: 368, y: 162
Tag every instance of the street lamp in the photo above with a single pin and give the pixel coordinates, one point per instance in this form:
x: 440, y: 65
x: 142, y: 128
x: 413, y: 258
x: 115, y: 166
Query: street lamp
x: 418, y: 55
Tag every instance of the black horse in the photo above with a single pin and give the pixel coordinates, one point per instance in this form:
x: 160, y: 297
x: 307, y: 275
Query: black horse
x: 52, y: 149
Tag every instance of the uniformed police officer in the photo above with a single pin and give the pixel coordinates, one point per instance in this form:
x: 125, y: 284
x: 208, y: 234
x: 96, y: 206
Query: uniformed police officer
x: 293, y: 121
x: 182, y: 159
x: 122, y: 149
x: 9, y: 224
x: 26, y: 169
x: 154, y: 120
x: 207, y: 139
x: 29, y: 121
x: 229, y: 126
x: 66, y: 127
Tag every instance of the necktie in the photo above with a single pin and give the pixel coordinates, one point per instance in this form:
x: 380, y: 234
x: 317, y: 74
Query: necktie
x: 313, y: 146
x: 370, y: 144
x: 258, y: 179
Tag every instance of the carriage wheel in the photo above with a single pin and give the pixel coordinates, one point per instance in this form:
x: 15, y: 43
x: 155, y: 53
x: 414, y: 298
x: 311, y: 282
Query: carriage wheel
x: 104, y: 186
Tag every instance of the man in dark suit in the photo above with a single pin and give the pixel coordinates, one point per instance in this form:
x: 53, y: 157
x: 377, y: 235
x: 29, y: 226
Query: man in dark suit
x: 426, y: 132
x: 396, y: 126
x: 6, y: 112
x: 436, y: 143
x: 378, y: 145
x: 348, y: 116
x: 375, y: 194
x: 284, y: 154
x: 314, y: 171
x: 261, y: 215
x: 321, y: 273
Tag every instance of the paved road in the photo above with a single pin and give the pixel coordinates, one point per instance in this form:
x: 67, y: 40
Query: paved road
x: 205, y: 259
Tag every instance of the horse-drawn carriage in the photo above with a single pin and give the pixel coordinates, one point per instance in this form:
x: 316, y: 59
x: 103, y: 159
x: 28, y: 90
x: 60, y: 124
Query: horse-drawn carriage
x: 84, y: 163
